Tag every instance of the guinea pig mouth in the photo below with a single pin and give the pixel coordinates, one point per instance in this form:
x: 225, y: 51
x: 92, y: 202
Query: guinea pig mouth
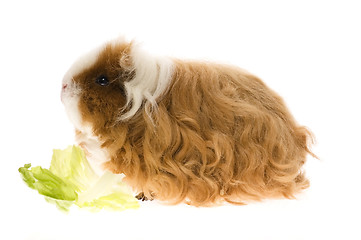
x: 70, y: 98
x: 69, y: 91
x: 63, y: 89
x: 65, y: 93
x: 66, y: 96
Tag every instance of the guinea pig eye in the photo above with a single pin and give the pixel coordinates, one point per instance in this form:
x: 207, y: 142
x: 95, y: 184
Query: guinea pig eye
x: 102, y: 80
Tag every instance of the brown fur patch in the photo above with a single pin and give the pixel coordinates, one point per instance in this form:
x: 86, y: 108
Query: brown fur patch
x: 100, y: 105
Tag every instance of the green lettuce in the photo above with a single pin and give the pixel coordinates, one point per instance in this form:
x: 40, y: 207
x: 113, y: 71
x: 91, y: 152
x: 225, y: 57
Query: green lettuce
x: 71, y: 180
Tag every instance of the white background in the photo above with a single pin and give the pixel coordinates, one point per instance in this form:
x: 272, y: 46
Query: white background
x: 308, y: 51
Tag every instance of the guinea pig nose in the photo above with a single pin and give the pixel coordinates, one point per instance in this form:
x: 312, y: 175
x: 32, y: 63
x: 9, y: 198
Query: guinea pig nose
x: 65, y: 86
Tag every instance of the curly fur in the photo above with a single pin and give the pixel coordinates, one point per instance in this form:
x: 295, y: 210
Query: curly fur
x: 217, y: 134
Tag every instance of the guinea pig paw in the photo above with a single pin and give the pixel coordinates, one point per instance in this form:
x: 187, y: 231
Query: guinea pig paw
x: 142, y: 197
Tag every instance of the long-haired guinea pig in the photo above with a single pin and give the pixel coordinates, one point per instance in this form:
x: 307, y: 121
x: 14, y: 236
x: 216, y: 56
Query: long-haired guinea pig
x: 184, y: 131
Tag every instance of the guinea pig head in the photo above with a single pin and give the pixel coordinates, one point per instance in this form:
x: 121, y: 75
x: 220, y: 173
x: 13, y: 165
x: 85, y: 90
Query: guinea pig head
x: 93, y: 91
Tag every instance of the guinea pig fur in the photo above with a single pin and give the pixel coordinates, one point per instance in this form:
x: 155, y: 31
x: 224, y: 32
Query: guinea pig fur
x: 184, y: 131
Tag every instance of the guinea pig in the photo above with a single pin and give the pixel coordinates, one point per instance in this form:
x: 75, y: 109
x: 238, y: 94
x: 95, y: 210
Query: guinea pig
x: 184, y: 131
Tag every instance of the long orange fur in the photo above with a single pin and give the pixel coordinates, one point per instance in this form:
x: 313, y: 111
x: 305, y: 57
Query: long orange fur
x: 218, y: 134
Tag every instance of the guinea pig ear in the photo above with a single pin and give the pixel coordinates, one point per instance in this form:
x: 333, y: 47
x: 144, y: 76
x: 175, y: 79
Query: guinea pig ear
x: 125, y: 60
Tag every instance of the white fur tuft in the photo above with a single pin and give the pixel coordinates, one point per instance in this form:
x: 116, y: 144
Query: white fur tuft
x: 152, y: 78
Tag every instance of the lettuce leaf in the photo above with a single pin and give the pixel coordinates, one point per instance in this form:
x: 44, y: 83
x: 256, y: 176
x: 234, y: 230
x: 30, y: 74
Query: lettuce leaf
x: 71, y: 180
